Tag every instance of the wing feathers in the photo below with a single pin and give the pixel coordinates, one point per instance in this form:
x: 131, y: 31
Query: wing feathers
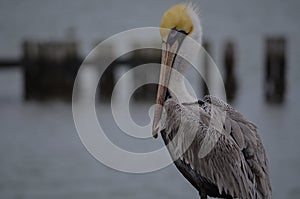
x: 234, y: 160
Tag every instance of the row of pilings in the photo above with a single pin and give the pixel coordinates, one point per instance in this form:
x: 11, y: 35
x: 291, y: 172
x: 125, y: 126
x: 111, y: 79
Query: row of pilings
x: 50, y: 68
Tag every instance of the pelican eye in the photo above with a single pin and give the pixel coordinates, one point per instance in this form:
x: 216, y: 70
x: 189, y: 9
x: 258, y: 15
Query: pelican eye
x: 183, y: 32
x: 174, y: 31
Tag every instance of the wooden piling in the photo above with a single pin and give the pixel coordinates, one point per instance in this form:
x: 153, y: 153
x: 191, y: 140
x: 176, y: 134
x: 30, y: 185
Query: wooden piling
x: 107, y: 80
x: 128, y: 60
x: 229, y: 71
x: 152, y: 57
x: 275, y: 69
x: 206, y: 63
x: 49, y: 69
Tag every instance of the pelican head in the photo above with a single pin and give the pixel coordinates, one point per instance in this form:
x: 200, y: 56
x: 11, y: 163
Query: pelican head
x: 178, y: 23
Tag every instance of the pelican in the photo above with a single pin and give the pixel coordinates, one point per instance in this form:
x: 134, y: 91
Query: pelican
x: 213, y: 145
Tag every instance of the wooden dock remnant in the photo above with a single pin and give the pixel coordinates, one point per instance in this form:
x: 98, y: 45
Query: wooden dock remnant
x: 127, y: 61
x: 152, y: 57
x: 275, y: 69
x: 107, y: 80
x: 9, y: 62
x: 49, y: 69
x: 206, y: 60
x: 229, y: 61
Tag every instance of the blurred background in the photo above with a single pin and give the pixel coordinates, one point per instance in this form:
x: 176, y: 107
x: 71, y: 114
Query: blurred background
x: 254, y: 43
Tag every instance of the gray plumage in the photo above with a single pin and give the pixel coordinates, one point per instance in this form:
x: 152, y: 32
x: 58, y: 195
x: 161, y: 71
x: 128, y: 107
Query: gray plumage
x: 217, y: 149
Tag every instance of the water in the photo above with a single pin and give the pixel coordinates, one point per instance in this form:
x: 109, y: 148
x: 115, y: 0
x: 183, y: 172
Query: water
x: 41, y: 155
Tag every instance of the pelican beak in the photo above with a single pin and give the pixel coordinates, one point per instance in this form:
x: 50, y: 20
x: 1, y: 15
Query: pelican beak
x: 169, y: 52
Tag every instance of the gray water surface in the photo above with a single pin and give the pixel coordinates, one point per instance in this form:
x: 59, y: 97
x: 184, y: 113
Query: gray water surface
x: 41, y: 154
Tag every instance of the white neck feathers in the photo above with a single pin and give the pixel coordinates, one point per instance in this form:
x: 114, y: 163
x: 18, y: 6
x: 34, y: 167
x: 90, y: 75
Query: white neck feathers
x: 178, y: 88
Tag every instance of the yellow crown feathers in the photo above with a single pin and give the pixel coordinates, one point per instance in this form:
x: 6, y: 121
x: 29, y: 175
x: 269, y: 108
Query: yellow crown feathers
x: 176, y: 17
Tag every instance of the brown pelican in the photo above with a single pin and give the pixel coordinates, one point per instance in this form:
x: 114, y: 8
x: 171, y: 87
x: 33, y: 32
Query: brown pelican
x: 225, y: 157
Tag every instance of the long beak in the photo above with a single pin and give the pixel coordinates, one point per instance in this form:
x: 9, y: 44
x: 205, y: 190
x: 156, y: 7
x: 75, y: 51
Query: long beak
x: 169, y: 50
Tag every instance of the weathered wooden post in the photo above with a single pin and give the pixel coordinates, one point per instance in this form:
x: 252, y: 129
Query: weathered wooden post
x: 145, y: 56
x: 206, y: 60
x: 100, y: 57
x: 31, y: 70
x: 229, y: 71
x: 275, y: 69
x: 49, y: 69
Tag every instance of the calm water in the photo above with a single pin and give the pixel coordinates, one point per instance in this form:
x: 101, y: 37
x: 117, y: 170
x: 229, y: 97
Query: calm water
x: 41, y: 155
